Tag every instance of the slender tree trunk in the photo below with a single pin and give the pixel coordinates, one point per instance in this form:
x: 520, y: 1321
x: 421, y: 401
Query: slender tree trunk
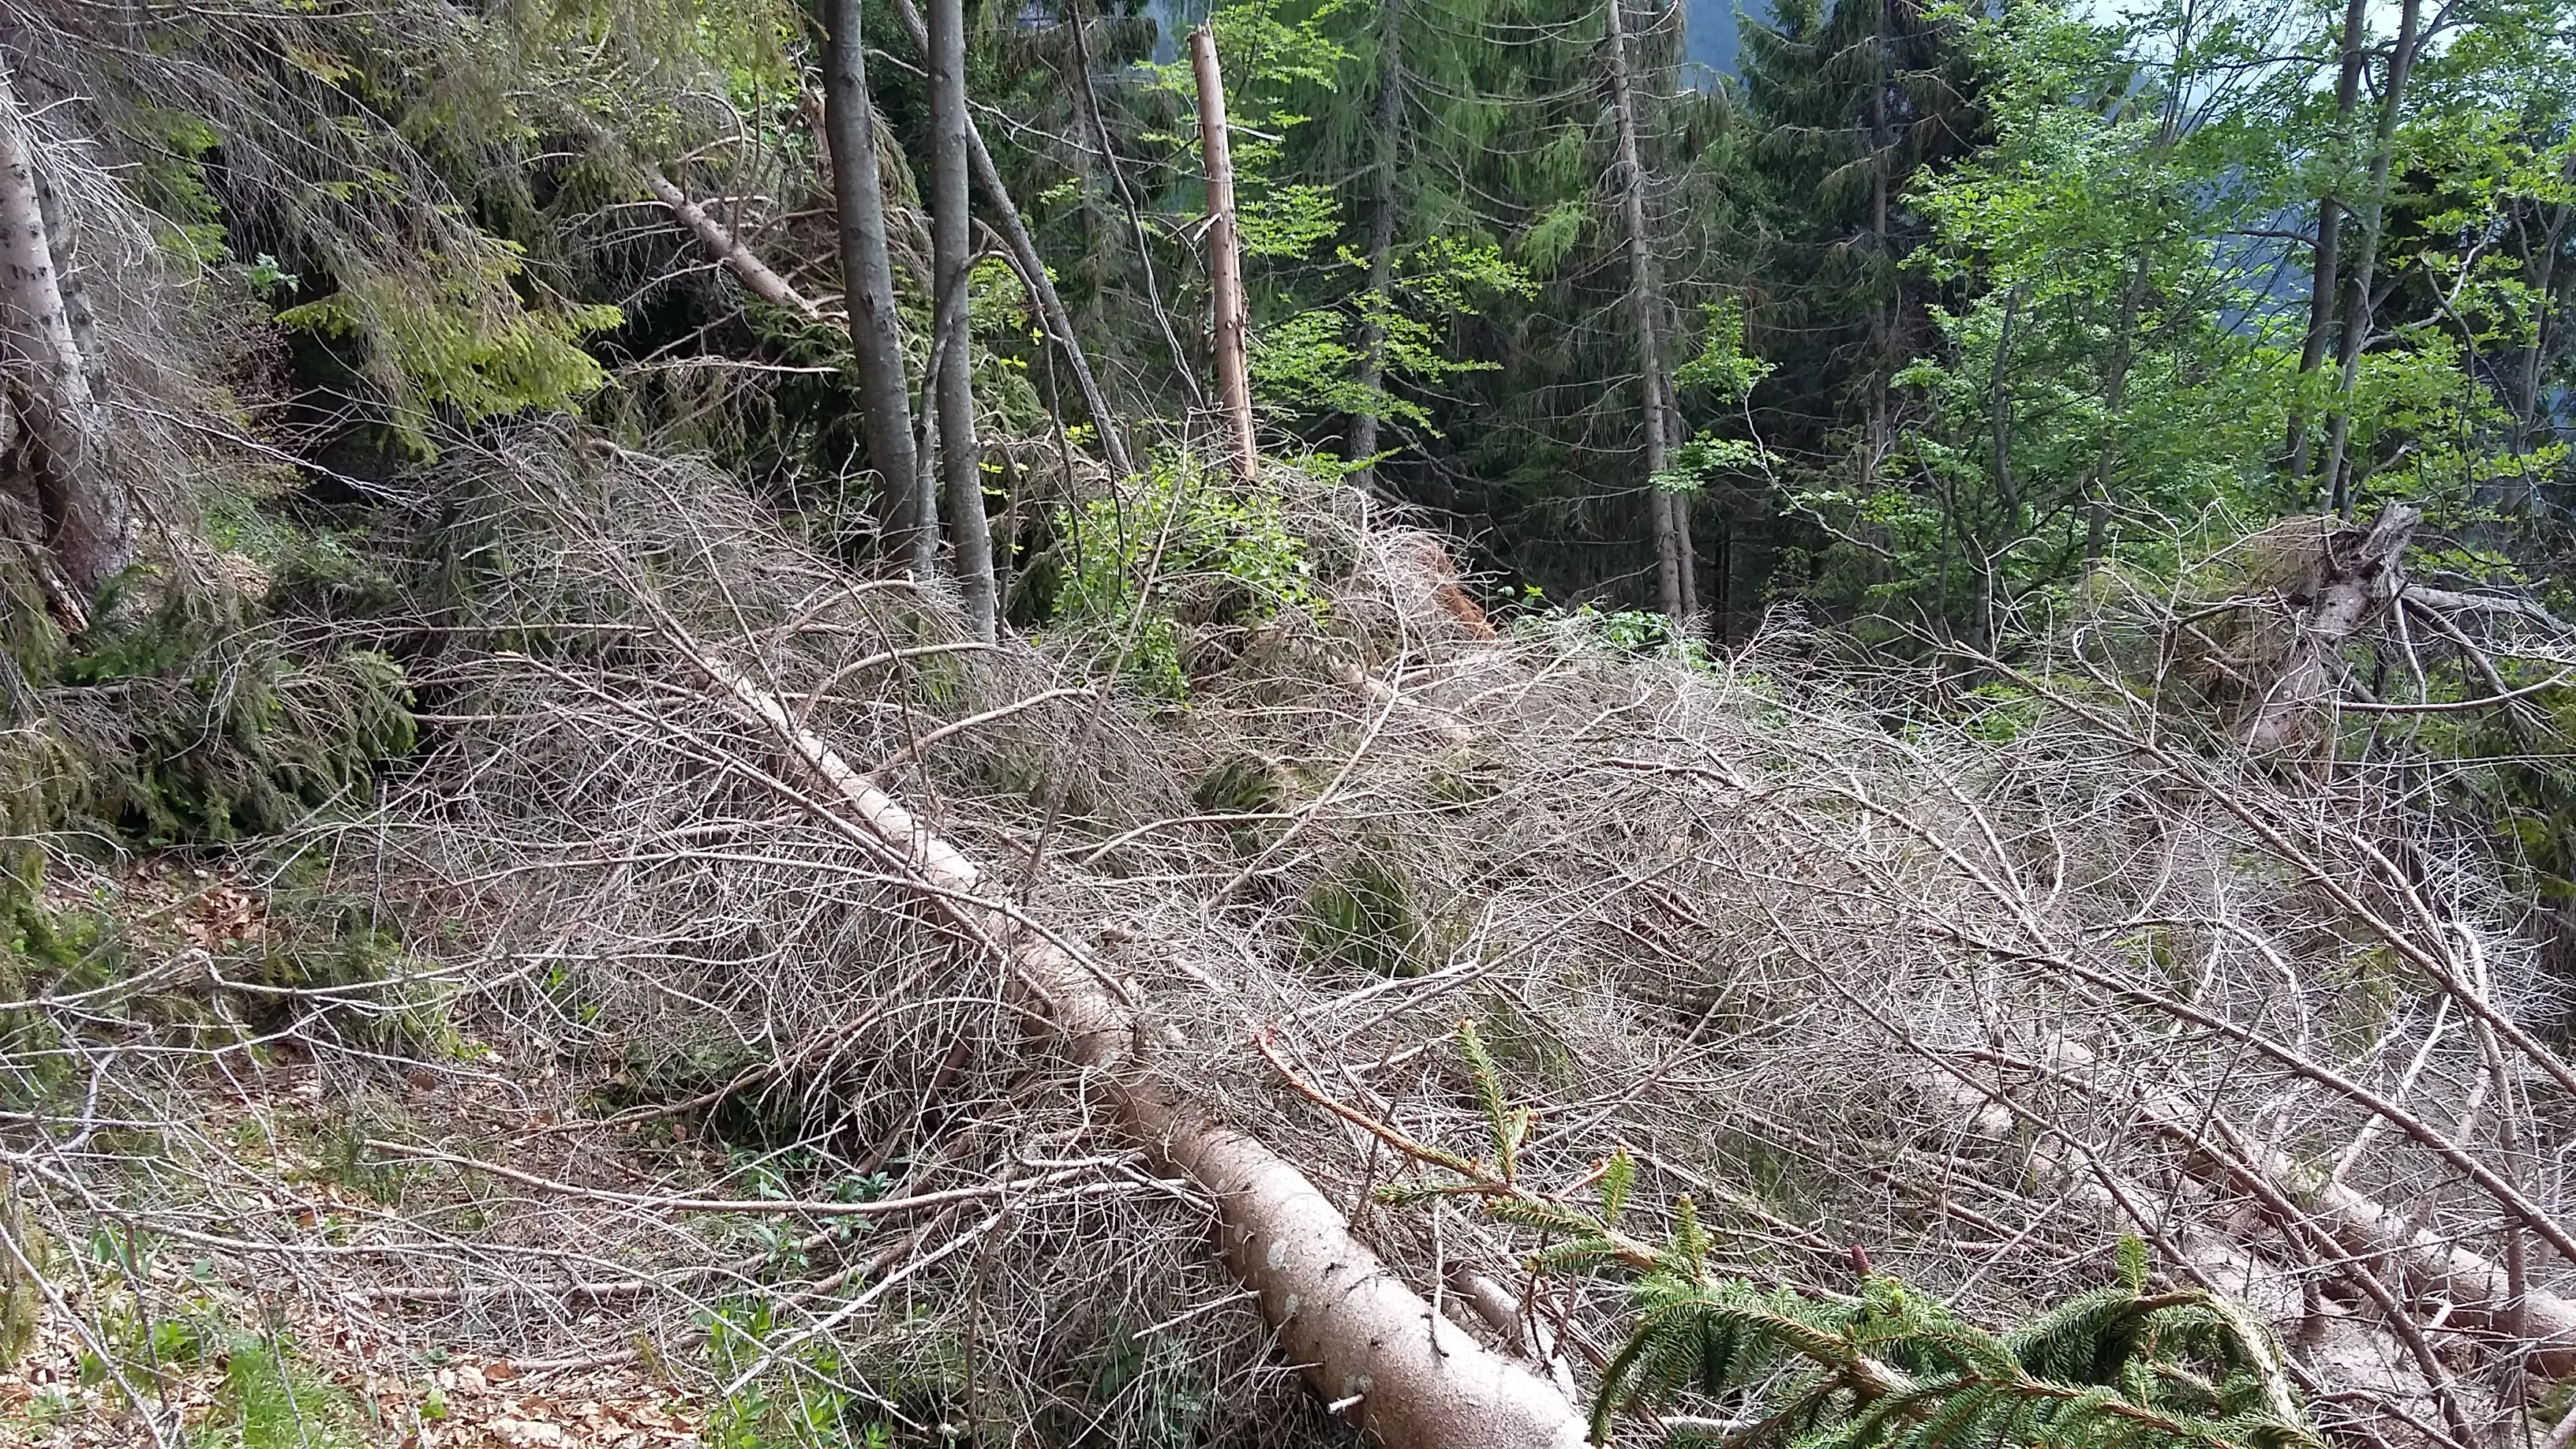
x: 88, y: 519
x: 2324, y: 289
x: 1381, y: 254
x: 1225, y: 261
x: 2374, y: 213
x: 2531, y: 427
x: 2098, y: 507
x: 961, y: 459
x: 1032, y: 269
x: 1882, y: 322
x: 1645, y: 295
x: 867, y: 283
x: 1687, y: 565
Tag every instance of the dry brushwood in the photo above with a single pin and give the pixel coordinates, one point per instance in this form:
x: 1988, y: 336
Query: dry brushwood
x: 1826, y: 981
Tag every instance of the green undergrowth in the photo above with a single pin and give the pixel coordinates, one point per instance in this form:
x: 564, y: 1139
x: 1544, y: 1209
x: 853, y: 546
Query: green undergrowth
x: 298, y: 952
x: 186, y: 722
x: 1165, y: 574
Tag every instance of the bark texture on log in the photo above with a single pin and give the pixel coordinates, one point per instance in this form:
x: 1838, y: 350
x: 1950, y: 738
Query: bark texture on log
x: 1355, y: 1329
x: 88, y: 520
x: 1225, y: 261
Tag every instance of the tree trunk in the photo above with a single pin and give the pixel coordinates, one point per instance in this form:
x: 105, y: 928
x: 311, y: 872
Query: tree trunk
x: 1362, y: 444
x: 2377, y: 1236
x: 2099, y: 506
x: 1882, y: 323
x: 1033, y: 272
x: 961, y: 459
x: 867, y: 282
x: 2374, y: 212
x: 1687, y: 564
x: 1645, y: 297
x: 1087, y: 101
x: 88, y: 520
x: 1225, y: 262
x: 1366, y: 1342
x: 2325, y: 283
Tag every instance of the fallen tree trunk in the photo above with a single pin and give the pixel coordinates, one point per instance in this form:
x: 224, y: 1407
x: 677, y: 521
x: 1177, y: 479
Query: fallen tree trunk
x: 2535, y: 1322
x: 722, y: 246
x: 1367, y: 1343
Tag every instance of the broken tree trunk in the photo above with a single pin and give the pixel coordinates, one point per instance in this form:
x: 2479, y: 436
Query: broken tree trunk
x: 722, y: 247
x: 1225, y: 261
x: 867, y: 282
x: 1032, y: 270
x: 1365, y: 1341
x: 88, y: 520
x: 2354, y: 576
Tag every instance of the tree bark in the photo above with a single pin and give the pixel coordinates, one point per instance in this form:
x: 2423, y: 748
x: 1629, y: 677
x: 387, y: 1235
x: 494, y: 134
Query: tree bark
x: 88, y: 519
x: 1365, y: 1341
x: 1362, y: 444
x: 1032, y: 269
x: 1882, y: 321
x: 2324, y: 289
x: 2374, y: 212
x: 961, y: 458
x: 1225, y: 262
x: 867, y: 282
x: 1645, y: 297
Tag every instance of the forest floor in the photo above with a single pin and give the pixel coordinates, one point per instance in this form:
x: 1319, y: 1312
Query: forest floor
x: 335, y: 1351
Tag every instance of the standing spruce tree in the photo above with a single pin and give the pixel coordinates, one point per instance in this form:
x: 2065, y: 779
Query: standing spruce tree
x: 1849, y: 104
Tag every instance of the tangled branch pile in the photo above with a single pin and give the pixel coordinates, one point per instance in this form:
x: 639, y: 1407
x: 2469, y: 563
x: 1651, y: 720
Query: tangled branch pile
x: 639, y: 1040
